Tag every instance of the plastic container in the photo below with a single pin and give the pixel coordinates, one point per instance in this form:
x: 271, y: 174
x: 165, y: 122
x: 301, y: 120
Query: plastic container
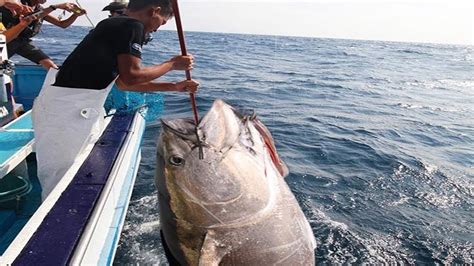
x: 12, y: 189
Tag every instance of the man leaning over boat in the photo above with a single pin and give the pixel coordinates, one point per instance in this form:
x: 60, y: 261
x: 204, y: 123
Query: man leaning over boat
x: 68, y: 114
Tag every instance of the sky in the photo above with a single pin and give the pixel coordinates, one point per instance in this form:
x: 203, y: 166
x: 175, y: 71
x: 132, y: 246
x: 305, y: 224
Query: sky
x: 432, y: 21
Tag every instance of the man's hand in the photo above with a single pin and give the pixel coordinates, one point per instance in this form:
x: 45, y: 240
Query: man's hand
x: 190, y: 86
x: 71, y: 7
x: 17, y: 8
x: 25, y: 21
x: 181, y: 62
x: 78, y: 11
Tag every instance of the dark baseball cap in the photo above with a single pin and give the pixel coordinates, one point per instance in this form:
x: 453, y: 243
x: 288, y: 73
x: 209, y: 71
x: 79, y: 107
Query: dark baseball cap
x: 115, y: 6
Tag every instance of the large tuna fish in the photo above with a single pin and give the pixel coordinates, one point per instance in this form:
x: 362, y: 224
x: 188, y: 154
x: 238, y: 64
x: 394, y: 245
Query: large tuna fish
x: 232, y: 207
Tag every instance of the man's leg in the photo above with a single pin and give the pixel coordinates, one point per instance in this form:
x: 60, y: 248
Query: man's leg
x: 34, y: 54
x: 14, y: 45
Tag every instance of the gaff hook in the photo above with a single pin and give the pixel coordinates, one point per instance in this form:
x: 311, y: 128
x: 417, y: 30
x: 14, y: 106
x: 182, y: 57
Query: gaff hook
x: 182, y: 43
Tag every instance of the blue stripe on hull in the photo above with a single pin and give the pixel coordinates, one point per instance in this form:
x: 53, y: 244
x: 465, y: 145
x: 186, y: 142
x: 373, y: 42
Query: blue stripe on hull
x: 59, y: 233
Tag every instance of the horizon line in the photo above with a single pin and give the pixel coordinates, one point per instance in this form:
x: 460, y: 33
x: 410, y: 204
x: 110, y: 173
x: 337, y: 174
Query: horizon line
x: 312, y: 37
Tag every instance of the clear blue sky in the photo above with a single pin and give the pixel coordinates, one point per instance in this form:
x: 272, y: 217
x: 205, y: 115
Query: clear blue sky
x: 437, y: 21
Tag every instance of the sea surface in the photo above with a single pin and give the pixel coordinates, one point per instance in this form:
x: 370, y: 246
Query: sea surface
x: 378, y: 137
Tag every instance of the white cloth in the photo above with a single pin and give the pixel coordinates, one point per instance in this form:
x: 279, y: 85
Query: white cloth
x: 65, y: 121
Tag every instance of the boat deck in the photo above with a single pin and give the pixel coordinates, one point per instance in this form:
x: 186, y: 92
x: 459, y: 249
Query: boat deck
x: 16, y: 140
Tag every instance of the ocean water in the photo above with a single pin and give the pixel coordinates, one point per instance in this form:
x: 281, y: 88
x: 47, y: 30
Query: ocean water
x: 378, y: 137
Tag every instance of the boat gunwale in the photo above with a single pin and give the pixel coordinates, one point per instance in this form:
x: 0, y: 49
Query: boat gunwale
x: 130, y: 148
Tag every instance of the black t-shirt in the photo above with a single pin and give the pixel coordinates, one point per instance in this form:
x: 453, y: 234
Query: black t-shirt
x: 93, y: 64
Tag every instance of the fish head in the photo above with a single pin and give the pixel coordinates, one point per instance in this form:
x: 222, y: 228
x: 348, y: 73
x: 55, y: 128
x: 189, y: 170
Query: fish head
x: 218, y: 130
x: 180, y: 141
x: 234, y: 165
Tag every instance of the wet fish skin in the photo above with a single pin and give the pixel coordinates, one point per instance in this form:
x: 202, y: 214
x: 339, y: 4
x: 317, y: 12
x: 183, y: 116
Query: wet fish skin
x: 233, y: 207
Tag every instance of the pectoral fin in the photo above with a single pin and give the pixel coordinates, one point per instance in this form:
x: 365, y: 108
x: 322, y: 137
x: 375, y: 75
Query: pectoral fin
x: 212, y: 251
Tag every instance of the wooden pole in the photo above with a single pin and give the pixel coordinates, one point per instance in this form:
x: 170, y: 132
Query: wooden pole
x: 182, y: 43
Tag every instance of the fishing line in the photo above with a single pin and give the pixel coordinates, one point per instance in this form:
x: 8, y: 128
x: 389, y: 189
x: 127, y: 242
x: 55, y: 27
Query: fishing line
x: 87, y: 16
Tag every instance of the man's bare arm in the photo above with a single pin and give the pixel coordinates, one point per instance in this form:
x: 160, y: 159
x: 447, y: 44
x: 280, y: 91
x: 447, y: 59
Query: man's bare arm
x: 131, y: 71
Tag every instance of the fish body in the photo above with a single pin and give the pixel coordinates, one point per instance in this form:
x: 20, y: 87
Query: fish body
x: 232, y: 207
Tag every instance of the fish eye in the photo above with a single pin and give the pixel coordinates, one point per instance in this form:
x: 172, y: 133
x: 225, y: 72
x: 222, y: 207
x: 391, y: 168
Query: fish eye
x: 176, y: 160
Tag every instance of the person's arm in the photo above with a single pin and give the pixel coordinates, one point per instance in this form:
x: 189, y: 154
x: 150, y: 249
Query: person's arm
x: 13, y: 32
x: 133, y: 75
x: 74, y: 9
x: 152, y: 86
x: 62, y: 23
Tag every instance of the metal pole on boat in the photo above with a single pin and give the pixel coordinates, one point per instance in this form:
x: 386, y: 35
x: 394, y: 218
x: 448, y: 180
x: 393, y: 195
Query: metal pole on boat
x: 182, y: 44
